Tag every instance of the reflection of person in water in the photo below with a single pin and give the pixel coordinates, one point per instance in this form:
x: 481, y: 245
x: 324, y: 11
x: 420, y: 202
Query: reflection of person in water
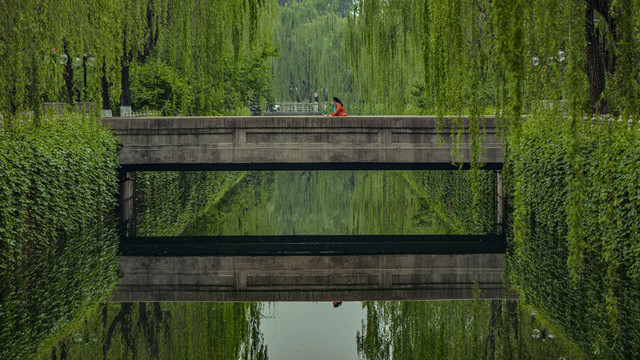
x: 337, y: 303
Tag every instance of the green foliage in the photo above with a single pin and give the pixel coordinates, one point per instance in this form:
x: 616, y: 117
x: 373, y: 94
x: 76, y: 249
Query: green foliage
x: 459, y: 209
x: 383, y: 202
x: 495, y: 329
x: 241, y: 210
x: 155, y: 86
x: 429, y: 55
x: 169, y: 201
x: 346, y: 202
x: 312, y: 202
x: 59, y: 245
x: 589, y: 289
x: 310, y: 35
x: 40, y: 165
x: 210, y: 47
x: 168, y: 331
x: 220, y: 55
x: 40, y: 37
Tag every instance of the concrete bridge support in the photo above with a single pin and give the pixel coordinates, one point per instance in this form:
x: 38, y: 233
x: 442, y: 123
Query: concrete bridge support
x: 501, y: 205
x: 128, y: 203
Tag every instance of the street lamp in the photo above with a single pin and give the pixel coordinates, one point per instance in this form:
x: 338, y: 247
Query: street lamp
x: 560, y: 57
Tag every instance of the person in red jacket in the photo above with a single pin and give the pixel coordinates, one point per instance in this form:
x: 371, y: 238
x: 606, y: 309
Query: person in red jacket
x: 338, y: 108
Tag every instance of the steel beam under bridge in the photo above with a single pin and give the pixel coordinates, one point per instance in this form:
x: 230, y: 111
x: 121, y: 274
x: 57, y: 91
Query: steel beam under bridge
x: 297, y: 143
x: 282, y: 245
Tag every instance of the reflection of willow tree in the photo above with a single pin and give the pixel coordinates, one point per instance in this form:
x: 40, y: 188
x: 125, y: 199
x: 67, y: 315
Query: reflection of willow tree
x: 169, y: 331
x: 455, y: 330
x: 349, y: 202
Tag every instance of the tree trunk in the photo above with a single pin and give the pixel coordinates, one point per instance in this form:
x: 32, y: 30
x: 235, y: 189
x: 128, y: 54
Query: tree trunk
x: 63, y: 352
x: 68, y: 75
x: 84, y: 69
x: 125, y: 309
x: 496, y: 315
x: 151, y: 36
x: 125, y: 97
x: 125, y: 64
x: 512, y: 314
x: 106, y: 101
x: 595, y: 66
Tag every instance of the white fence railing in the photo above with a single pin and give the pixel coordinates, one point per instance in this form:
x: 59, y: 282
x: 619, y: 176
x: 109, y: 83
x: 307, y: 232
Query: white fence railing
x: 295, y: 108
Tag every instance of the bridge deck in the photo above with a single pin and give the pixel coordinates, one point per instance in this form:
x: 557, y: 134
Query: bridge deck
x: 296, y: 142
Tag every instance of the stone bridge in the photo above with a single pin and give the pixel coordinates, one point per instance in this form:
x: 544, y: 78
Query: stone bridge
x: 298, y: 143
x: 349, y: 268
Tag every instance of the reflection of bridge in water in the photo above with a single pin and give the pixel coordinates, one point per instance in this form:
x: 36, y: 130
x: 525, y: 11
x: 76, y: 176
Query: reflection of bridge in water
x: 309, y: 278
x: 303, y: 268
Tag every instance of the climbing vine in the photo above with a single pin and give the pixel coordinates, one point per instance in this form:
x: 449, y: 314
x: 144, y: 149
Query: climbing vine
x: 58, y: 238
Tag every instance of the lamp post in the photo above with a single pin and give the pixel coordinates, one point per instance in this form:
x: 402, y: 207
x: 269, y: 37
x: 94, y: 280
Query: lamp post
x: 559, y: 57
x: 324, y: 98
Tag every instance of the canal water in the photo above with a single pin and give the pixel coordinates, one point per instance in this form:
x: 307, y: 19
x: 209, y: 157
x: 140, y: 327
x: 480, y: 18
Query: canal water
x: 331, y: 202
x: 312, y: 330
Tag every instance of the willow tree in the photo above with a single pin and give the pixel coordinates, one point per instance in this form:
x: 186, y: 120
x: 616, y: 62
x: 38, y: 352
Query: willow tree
x: 84, y: 50
x: 140, y: 27
x: 573, y: 179
x: 168, y: 331
x: 477, y: 329
x: 572, y: 182
x: 410, y: 55
x: 219, y: 50
x: 383, y: 49
x: 44, y: 43
x: 309, y: 34
x: 571, y: 185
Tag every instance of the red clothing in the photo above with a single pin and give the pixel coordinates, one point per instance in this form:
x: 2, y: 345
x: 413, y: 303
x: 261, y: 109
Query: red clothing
x: 340, y: 111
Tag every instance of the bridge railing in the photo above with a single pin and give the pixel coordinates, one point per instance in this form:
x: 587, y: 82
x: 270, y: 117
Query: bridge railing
x: 295, y: 108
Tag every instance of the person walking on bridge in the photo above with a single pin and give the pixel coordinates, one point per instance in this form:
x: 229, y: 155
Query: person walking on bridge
x: 338, y: 108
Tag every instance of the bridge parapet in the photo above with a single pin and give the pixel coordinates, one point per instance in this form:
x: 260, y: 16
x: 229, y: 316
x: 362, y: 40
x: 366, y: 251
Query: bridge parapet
x: 297, y: 142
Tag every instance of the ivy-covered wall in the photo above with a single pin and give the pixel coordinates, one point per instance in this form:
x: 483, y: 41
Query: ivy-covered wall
x: 463, y: 201
x: 588, y: 284
x: 169, y: 201
x: 58, y: 249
